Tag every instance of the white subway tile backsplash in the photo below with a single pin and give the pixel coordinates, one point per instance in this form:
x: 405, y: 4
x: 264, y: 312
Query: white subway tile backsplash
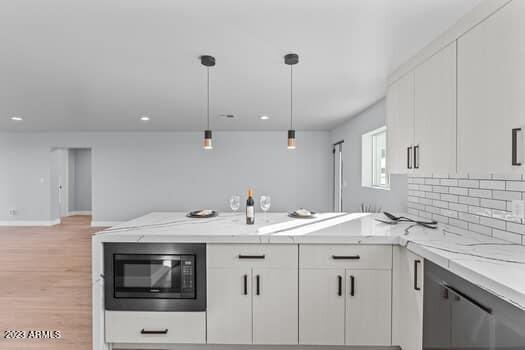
x: 448, y: 182
x: 469, y: 200
x: 440, y: 189
x: 492, y: 184
x: 479, y: 193
x: 500, y: 224
x: 413, y: 211
x: 468, y: 183
x: 493, y: 204
x: 506, y: 195
x: 515, y: 186
x: 449, y: 197
x: 458, y: 207
x: 477, y: 202
x: 458, y: 191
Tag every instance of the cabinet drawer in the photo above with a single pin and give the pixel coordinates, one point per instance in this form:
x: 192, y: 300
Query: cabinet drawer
x: 263, y: 255
x: 155, y: 327
x: 345, y: 256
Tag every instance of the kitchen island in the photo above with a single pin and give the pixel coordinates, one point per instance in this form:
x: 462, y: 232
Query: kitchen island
x: 493, y: 265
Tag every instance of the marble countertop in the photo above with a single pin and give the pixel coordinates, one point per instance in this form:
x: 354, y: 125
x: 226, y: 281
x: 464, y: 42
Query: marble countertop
x: 494, y: 265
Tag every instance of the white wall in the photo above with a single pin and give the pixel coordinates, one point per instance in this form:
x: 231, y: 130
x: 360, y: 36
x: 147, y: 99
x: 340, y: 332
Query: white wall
x: 354, y: 193
x: 136, y: 173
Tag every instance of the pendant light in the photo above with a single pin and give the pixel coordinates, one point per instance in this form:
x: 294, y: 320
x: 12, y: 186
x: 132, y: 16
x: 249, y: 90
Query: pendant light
x: 291, y: 59
x: 208, y: 61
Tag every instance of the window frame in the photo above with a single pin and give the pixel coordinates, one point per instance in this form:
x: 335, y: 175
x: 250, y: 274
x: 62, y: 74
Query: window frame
x: 370, y: 164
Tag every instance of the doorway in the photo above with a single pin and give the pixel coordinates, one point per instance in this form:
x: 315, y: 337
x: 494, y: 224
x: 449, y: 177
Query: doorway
x: 71, y: 182
x: 337, y: 152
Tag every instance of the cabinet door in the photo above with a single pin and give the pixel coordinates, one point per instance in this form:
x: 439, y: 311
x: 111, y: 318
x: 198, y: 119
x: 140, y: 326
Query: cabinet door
x: 400, y: 124
x: 491, y: 82
x: 407, y: 294
x: 275, y: 306
x: 368, y: 307
x: 321, y: 306
x: 435, y: 113
x: 229, y: 314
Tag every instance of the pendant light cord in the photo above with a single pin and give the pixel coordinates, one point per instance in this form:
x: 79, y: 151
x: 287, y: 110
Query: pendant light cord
x: 208, y: 83
x: 291, y: 97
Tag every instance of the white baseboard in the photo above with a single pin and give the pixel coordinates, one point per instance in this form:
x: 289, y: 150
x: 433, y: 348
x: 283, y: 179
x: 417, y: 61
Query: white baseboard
x: 79, y: 212
x: 105, y: 223
x: 30, y: 222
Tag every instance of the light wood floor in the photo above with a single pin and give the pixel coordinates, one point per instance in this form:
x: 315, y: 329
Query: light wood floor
x: 45, y: 284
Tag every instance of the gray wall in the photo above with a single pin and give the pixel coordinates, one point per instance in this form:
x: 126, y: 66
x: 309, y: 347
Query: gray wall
x: 136, y: 173
x: 79, y: 179
x: 354, y: 194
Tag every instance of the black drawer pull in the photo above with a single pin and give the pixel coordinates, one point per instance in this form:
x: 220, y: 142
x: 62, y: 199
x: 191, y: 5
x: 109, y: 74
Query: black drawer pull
x: 163, y: 331
x: 352, y: 286
x: 258, y: 285
x: 416, y: 157
x: 416, y: 264
x: 245, y: 278
x: 241, y: 256
x: 409, y: 157
x: 339, y: 285
x: 515, y: 147
x: 346, y: 257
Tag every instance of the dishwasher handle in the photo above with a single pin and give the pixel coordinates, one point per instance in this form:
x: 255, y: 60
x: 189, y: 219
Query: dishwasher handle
x: 473, y: 301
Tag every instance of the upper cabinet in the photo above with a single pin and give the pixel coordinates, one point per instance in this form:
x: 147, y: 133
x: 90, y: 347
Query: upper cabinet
x: 421, y: 117
x: 400, y: 125
x: 435, y: 113
x: 491, y: 93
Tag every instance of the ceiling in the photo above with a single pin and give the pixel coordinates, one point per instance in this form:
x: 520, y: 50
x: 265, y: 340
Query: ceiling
x: 93, y: 65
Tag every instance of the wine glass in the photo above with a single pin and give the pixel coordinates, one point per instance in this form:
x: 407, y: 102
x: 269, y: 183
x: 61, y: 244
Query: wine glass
x: 235, y: 203
x: 266, y: 202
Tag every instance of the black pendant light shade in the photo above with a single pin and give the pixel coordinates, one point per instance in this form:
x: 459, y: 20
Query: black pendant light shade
x: 208, y: 61
x: 291, y: 59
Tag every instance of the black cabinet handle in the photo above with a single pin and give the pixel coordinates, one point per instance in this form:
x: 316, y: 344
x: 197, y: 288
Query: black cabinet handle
x: 352, y: 286
x: 346, y: 257
x: 409, y: 157
x: 163, y: 331
x: 258, y: 284
x: 416, y: 157
x: 416, y: 264
x: 339, y: 285
x: 245, y: 278
x: 241, y: 256
x: 515, y: 147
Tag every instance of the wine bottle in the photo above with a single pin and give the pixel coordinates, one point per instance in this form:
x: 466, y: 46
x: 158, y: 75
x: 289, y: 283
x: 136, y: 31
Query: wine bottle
x: 250, y: 208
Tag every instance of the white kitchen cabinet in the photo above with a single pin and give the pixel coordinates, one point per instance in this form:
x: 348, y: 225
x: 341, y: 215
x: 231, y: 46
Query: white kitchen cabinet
x: 229, y: 312
x: 322, y: 306
x: 407, y: 299
x: 275, y: 306
x: 491, y: 85
x: 345, y: 295
x: 368, y: 307
x: 252, y: 294
x: 400, y: 125
x: 435, y: 113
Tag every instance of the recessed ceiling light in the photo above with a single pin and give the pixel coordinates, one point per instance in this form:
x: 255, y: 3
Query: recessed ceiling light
x: 16, y: 119
x: 144, y: 118
x: 264, y: 117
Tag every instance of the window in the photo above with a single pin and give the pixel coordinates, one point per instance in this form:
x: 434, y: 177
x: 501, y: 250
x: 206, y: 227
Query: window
x: 374, y: 159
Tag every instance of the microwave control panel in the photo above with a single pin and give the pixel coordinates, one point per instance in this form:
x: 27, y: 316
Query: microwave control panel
x: 188, y: 276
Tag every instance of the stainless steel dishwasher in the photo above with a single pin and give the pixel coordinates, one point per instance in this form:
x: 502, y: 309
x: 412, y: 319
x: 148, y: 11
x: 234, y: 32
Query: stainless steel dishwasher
x: 458, y: 315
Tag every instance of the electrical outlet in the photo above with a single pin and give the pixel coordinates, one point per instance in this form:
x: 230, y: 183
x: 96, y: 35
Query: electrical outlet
x: 12, y: 212
x: 518, y: 209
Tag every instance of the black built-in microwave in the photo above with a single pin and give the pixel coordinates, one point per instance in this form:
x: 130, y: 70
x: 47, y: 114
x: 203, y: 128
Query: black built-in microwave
x: 155, y: 276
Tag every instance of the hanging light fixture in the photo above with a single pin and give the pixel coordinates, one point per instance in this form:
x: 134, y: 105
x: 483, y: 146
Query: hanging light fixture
x: 208, y: 61
x: 291, y: 59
